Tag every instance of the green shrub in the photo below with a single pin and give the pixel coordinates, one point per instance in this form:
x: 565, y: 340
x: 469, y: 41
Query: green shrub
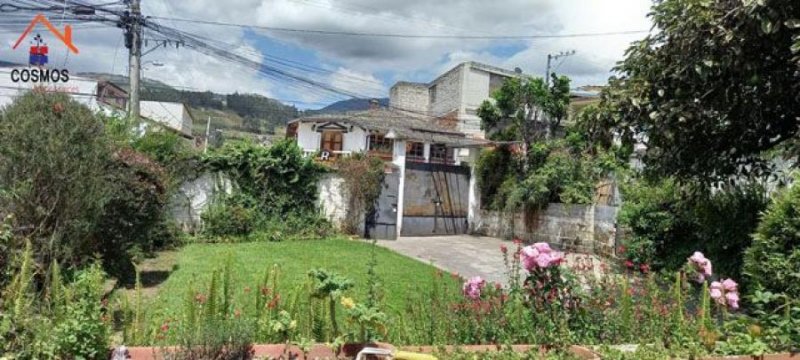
x: 232, y: 215
x: 82, y: 333
x: 53, y: 167
x: 62, y: 320
x: 772, y: 262
x: 74, y: 188
x: 279, y: 178
x: 665, y: 222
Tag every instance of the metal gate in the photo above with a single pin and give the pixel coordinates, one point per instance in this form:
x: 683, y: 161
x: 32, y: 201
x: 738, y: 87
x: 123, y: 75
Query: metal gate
x: 382, y: 223
x: 436, y: 199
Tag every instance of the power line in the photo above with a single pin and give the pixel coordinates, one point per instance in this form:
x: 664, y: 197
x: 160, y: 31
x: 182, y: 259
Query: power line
x: 410, y: 36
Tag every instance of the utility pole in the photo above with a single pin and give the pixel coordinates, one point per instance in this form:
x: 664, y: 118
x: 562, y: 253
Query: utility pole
x: 551, y: 57
x: 133, y: 40
x: 208, y: 133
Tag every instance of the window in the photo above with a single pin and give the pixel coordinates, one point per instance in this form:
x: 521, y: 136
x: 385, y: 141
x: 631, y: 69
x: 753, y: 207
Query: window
x: 438, y: 152
x: 415, y: 150
x: 432, y: 95
x: 380, y: 144
x: 331, y: 141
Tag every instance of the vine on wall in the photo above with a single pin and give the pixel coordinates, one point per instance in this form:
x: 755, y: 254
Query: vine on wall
x: 363, y: 180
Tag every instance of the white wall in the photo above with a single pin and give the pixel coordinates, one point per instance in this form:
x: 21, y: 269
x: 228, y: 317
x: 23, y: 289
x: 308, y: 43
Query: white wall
x: 353, y: 141
x: 170, y: 114
x: 193, y: 198
x: 332, y: 201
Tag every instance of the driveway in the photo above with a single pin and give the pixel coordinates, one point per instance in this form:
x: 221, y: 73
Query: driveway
x: 463, y: 254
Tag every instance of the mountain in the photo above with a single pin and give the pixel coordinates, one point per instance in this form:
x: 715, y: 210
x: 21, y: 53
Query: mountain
x: 232, y: 113
x: 350, y: 105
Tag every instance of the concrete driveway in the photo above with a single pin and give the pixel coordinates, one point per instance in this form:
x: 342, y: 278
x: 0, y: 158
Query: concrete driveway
x: 463, y: 254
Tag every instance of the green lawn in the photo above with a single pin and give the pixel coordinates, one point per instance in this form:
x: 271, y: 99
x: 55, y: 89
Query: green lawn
x: 399, y: 275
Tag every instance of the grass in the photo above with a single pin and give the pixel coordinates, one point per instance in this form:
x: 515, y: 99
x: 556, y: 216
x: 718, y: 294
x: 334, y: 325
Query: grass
x: 399, y: 275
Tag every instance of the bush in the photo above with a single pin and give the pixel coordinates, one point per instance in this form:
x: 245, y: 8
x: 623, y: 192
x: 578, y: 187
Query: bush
x: 772, y: 262
x: 233, y: 215
x: 279, y: 178
x: 53, y: 169
x: 62, y: 320
x: 74, y: 189
x: 665, y: 222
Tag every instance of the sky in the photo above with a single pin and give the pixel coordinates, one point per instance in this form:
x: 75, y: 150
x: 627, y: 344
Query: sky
x: 367, y: 66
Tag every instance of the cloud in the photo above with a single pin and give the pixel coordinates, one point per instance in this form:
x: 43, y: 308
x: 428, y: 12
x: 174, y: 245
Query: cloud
x: 364, y: 65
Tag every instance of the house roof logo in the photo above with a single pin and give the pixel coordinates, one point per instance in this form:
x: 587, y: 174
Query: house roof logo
x: 38, y: 52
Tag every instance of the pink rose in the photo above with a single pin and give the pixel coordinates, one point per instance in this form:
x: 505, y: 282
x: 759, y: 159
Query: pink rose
x: 543, y: 260
x: 542, y: 247
x: 716, y: 294
x: 472, y: 287
x: 730, y: 285
x: 733, y: 300
x: 701, y: 265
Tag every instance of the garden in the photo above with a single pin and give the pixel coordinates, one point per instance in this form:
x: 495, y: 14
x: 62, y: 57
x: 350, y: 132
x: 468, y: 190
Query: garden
x: 708, y: 263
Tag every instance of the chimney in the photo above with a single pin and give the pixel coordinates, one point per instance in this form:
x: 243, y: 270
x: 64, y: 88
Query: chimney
x: 374, y: 104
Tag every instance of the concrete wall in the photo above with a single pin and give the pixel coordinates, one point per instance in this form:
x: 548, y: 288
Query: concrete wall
x: 409, y: 96
x: 476, y: 88
x: 194, y: 197
x: 579, y: 228
x: 331, y: 199
x: 171, y: 114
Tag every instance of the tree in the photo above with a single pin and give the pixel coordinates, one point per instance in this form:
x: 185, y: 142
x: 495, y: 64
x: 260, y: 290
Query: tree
x: 53, y: 160
x: 713, y: 88
x: 526, y: 109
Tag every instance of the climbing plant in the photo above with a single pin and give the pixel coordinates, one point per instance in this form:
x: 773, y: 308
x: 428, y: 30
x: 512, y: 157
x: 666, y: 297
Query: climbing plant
x: 363, y: 180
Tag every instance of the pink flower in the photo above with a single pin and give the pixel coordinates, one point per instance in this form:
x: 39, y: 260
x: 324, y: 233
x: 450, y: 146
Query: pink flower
x: 542, y: 247
x: 503, y: 249
x: 715, y: 290
x: 540, y: 255
x: 730, y: 285
x: 701, y: 265
x: 733, y: 300
x: 472, y: 287
x: 628, y: 264
x: 556, y: 258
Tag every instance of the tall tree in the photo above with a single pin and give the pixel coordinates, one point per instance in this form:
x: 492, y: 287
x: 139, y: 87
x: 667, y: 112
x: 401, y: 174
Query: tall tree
x: 713, y: 87
x: 526, y: 109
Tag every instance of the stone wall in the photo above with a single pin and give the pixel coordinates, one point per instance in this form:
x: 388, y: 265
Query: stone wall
x: 589, y: 229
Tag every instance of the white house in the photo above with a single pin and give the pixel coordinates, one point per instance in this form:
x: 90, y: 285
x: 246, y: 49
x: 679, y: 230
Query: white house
x: 455, y: 95
x: 100, y: 96
x: 429, y: 188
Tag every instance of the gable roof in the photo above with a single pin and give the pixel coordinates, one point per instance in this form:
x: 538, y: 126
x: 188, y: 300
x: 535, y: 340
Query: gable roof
x: 406, y: 125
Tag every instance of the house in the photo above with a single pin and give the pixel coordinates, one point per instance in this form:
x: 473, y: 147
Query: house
x: 100, y: 96
x: 429, y: 185
x: 454, y: 97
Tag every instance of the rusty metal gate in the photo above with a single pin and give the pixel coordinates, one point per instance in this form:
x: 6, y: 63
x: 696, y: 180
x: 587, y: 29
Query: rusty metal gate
x: 436, y: 199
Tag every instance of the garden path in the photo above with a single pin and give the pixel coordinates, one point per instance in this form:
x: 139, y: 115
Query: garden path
x: 463, y: 254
